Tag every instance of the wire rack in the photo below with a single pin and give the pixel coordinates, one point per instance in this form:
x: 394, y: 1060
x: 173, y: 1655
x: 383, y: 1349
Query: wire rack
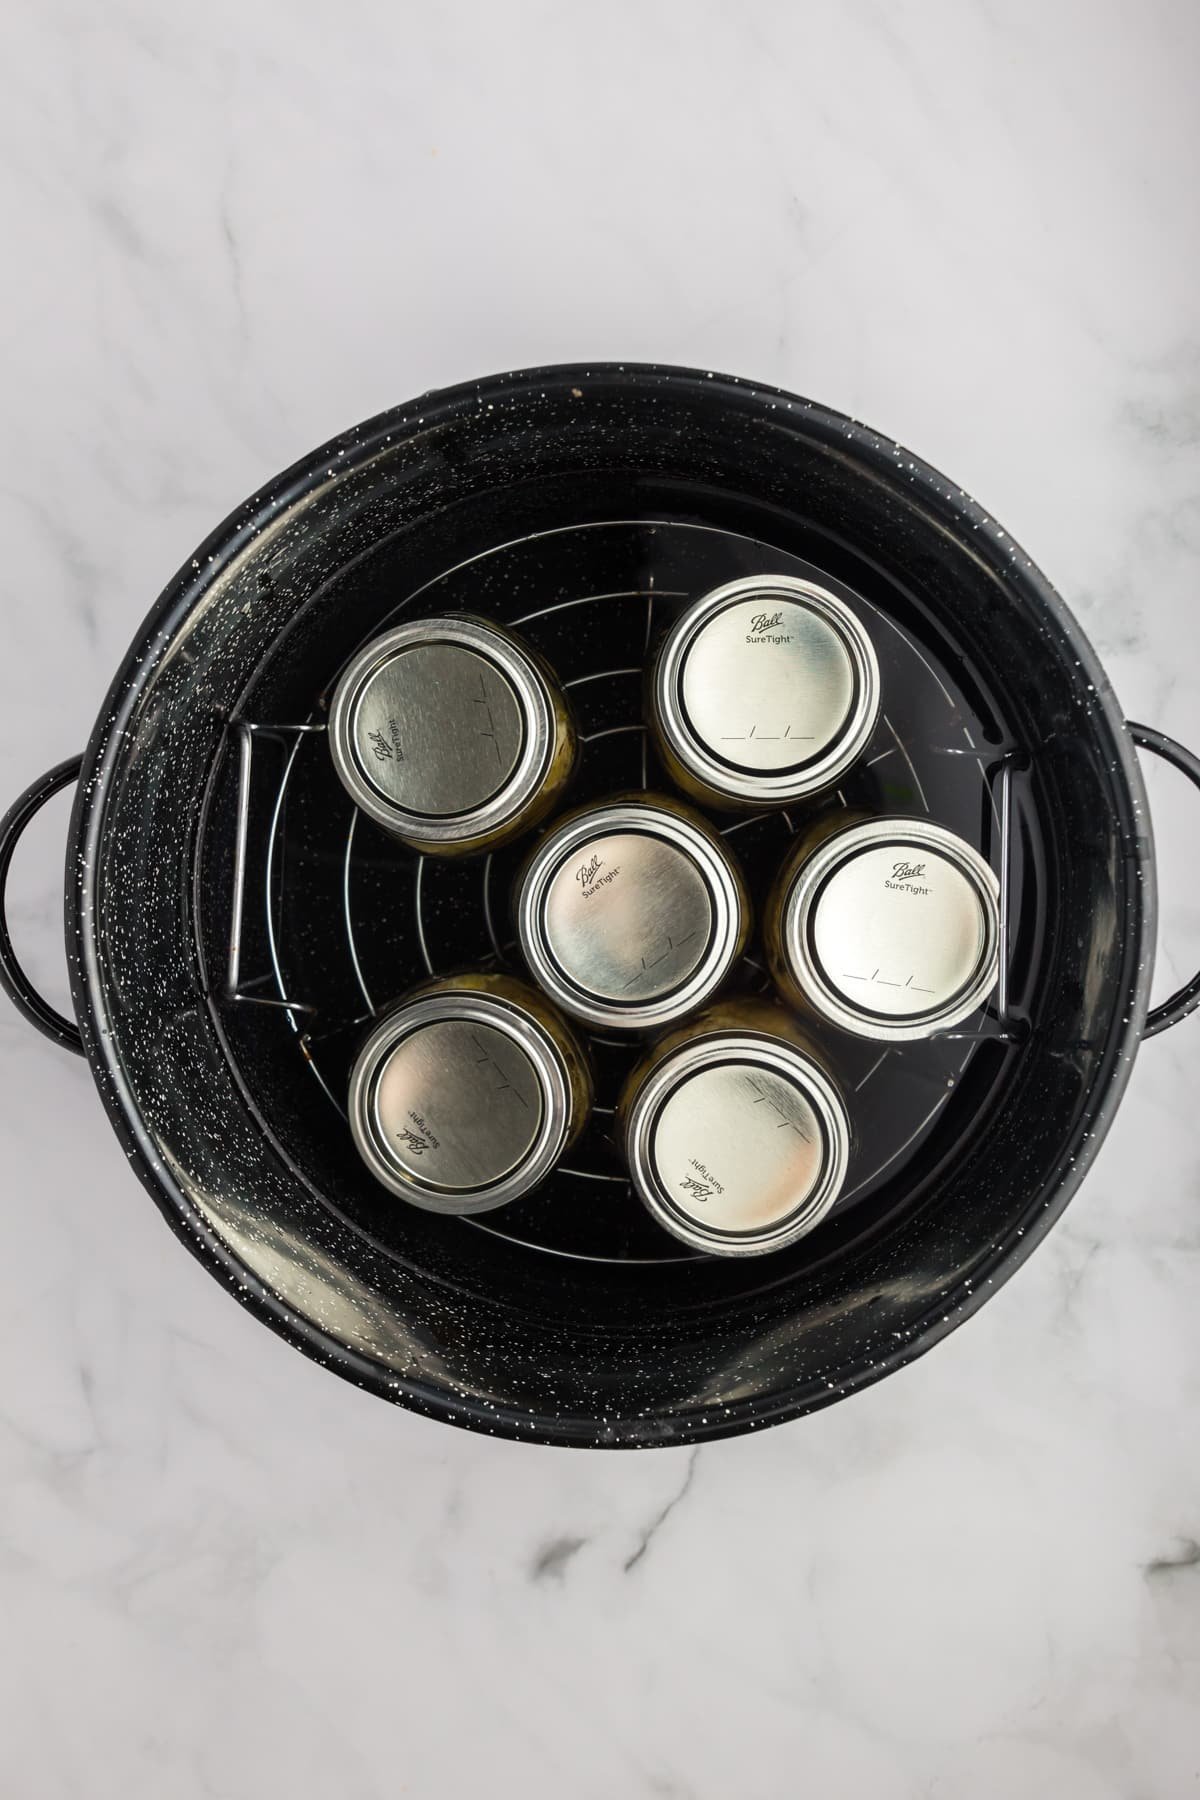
x: 929, y: 755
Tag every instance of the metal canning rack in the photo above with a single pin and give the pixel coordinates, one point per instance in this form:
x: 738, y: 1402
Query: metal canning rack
x: 929, y: 752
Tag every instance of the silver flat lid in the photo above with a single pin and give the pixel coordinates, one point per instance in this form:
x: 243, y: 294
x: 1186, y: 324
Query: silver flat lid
x: 437, y: 729
x: 767, y: 688
x: 443, y: 728
x: 738, y: 1144
x: 767, y: 684
x: 459, y: 1102
x: 892, y: 928
x: 630, y: 915
x: 459, y: 1105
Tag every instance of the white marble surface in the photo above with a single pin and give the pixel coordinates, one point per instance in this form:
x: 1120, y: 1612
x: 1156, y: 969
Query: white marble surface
x: 230, y: 231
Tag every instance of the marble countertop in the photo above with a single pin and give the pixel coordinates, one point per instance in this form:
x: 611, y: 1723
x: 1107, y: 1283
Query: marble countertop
x: 231, y: 231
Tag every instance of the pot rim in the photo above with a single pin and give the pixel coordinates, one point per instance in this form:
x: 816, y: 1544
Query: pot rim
x: 836, y: 432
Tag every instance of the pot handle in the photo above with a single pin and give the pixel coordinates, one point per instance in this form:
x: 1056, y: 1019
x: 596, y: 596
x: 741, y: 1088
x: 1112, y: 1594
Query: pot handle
x: 13, y: 978
x: 1187, y: 999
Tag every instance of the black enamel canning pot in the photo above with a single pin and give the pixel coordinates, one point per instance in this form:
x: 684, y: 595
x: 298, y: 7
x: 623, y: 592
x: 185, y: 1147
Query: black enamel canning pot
x: 233, y: 925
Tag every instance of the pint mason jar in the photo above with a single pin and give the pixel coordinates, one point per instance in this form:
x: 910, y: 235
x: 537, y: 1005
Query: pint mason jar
x: 764, y: 691
x: 466, y: 1094
x: 735, y: 1133
x: 632, y: 913
x: 886, y: 927
x: 451, y: 733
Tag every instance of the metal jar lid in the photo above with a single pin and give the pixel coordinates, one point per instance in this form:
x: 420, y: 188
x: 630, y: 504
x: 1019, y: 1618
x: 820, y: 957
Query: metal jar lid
x: 443, y: 730
x: 766, y: 689
x: 460, y: 1102
x: 891, y: 929
x: 631, y: 914
x: 737, y: 1143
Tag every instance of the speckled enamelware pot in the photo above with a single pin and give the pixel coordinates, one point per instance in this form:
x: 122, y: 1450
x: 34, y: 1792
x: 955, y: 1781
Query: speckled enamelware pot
x: 233, y: 926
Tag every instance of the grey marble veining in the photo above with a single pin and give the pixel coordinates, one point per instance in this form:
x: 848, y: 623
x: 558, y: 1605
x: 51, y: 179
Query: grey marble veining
x: 229, y: 234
